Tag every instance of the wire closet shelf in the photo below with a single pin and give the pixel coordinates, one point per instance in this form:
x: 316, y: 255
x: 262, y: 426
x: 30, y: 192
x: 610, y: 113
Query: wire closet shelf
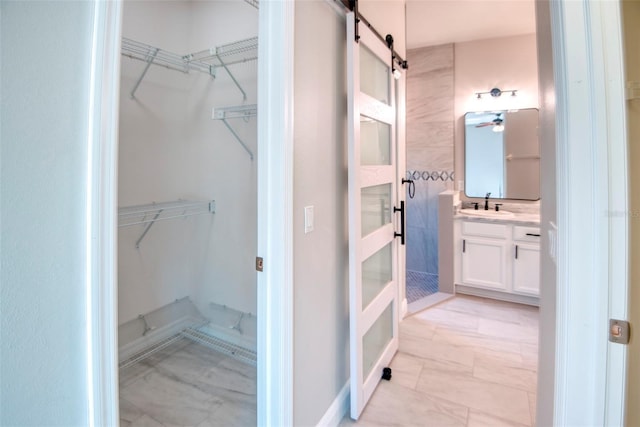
x: 205, y: 61
x: 155, y: 212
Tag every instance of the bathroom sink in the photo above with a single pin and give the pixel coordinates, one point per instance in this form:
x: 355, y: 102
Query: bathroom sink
x: 487, y: 214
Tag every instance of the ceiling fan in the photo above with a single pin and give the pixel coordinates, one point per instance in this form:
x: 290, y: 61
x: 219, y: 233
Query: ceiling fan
x: 495, y: 122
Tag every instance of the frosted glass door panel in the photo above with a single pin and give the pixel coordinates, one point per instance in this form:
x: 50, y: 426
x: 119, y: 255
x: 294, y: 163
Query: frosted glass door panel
x: 376, y: 274
x: 375, y: 142
x: 376, y: 340
x: 374, y: 76
x: 376, y: 207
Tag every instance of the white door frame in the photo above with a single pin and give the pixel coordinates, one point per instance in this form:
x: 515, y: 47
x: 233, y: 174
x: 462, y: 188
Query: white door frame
x: 592, y: 208
x: 401, y: 166
x: 275, y: 212
x: 275, y: 201
x: 101, y: 215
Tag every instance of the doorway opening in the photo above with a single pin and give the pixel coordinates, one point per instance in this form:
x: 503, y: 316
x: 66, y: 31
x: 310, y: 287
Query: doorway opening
x: 449, y: 69
x: 187, y: 216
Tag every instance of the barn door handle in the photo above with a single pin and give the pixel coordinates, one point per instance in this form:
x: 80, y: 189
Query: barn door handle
x: 401, y: 233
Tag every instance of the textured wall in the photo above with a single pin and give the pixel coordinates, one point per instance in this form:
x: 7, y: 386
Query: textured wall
x: 46, y: 57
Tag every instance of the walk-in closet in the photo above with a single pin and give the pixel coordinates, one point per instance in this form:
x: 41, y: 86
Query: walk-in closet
x: 187, y: 215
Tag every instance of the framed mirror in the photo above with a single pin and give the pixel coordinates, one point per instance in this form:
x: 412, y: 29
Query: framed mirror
x: 502, y: 154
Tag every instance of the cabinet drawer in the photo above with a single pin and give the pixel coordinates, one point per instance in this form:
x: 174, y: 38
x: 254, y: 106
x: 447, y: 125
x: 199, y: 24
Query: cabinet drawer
x: 484, y: 229
x: 526, y: 234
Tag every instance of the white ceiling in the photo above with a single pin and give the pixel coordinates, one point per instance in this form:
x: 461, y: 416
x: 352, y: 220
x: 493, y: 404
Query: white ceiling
x: 434, y: 22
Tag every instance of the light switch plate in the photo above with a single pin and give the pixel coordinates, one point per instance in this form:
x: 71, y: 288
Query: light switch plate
x: 308, y: 219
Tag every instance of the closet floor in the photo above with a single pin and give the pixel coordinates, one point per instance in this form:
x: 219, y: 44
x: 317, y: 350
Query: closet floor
x: 465, y: 362
x: 188, y: 384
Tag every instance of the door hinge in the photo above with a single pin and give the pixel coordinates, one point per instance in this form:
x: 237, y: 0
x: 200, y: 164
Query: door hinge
x: 259, y: 263
x: 619, y: 331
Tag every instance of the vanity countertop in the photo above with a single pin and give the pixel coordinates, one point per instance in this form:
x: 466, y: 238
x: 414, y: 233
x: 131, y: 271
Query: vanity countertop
x: 517, y: 218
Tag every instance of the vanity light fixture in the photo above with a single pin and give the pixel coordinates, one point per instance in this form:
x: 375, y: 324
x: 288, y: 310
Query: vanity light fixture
x: 496, y: 92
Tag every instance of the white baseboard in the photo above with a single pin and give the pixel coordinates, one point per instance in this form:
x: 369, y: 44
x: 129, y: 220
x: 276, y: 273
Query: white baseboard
x: 427, y: 302
x: 404, y: 309
x: 337, y: 410
x: 503, y: 296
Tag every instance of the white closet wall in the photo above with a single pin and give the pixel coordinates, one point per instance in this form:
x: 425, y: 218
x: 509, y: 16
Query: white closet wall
x: 171, y: 149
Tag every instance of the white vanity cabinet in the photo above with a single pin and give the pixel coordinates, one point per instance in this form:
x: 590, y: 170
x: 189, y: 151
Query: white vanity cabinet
x: 497, y: 260
x: 482, y: 259
x: 526, y: 260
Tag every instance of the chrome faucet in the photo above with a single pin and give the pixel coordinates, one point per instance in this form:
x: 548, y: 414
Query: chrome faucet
x: 486, y: 202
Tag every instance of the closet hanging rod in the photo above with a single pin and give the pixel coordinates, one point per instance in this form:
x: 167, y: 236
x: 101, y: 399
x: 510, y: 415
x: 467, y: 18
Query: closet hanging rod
x: 244, y: 112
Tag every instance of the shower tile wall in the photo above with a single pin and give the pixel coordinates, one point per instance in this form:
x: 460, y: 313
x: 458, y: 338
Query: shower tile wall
x: 430, y: 142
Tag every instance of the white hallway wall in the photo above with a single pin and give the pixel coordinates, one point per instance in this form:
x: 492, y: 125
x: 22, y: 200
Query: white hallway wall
x: 46, y: 56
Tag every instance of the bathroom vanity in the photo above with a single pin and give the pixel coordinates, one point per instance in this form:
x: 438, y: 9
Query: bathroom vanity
x: 497, y: 255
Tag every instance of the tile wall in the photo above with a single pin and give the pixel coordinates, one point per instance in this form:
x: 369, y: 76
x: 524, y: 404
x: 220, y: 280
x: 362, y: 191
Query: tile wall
x: 430, y: 142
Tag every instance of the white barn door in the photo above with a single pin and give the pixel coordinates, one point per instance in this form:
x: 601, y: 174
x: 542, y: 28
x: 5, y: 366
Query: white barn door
x: 373, y: 283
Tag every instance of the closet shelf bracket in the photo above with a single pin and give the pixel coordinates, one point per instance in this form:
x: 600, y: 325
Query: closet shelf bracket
x: 150, y: 214
x: 225, y: 55
x: 152, y: 55
x: 244, y: 112
x: 223, y: 65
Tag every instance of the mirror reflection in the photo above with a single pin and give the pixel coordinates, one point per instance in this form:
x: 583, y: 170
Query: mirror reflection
x: 502, y: 154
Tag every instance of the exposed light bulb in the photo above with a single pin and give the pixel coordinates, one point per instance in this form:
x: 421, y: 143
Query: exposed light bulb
x: 397, y: 74
x: 498, y: 128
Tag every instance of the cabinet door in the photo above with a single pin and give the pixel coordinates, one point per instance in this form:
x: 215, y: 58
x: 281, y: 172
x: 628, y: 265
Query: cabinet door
x: 526, y: 269
x: 483, y: 263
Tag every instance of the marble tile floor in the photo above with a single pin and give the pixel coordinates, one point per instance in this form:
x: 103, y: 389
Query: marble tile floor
x: 466, y: 362
x: 188, y: 384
